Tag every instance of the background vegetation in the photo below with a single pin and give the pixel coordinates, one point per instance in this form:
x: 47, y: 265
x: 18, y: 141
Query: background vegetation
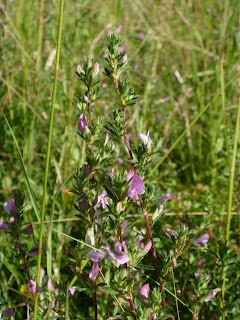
x: 185, y: 56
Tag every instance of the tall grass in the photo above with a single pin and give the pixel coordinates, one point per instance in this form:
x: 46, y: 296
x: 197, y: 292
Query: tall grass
x: 50, y: 131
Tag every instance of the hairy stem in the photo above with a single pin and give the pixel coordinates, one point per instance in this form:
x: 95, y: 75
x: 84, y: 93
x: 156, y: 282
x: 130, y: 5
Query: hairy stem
x: 26, y: 267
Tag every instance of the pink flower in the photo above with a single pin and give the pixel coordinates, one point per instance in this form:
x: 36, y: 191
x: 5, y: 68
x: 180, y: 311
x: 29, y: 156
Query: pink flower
x: 136, y: 66
x: 136, y: 185
x: 72, y: 290
x: 122, y: 48
x: 200, y: 263
x: 169, y: 233
x: 201, y: 241
x: 28, y: 230
x: 119, y: 28
x: 118, y: 255
x: 145, y: 139
x: 141, y: 36
x: 3, y: 226
x: 155, y: 80
x: 119, y: 161
x: 82, y: 124
x: 125, y: 58
x: 79, y: 69
x: 94, y: 272
x: 106, y: 139
x: 86, y: 99
x: 32, y: 286
x: 166, y: 197
x: 8, y: 313
x: 33, y: 252
x: 212, y: 294
x: 147, y: 247
x: 9, y: 206
x: 82, y: 205
x: 96, y: 68
x: 158, y: 117
x: 96, y: 256
x: 144, y: 291
x: 104, y: 199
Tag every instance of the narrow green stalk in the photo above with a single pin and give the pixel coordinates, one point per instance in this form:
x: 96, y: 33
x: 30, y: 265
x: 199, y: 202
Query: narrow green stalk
x: 67, y: 303
x: 230, y: 190
x: 48, y: 156
x: 224, y: 112
x: 175, y: 294
x: 190, y: 126
x: 40, y: 35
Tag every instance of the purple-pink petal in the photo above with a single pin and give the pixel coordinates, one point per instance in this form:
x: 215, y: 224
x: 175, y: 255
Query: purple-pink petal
x: 72, y: 290
x: 122, y: 258
x: 82, y: 124
x: 169, y: 233
x: 201, y: 241
x: 3, y: 226
x: 166, y: 197
x: 147, y: 247
x: 95, y: 256
x: 119, y: 161
x: 104, y: 199
x: 8, y: 313
x: 33, y: 252
x: 82, y: 205
x: 86, y: 170
x: 28, y: 230
x: 212, y: 294
x: 200, y: 263
x: 144, y: 291
x: 96, y: 68
x: 106, y: 139
x: 9, y: 206
x: 118, y: 247
x: 141, y: 36
x: 135, y: 187
x: 94, y: 272
x: 32, y: 287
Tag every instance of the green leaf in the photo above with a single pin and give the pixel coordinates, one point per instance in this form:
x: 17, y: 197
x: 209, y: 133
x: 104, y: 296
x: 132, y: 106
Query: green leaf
x: 109, y: 290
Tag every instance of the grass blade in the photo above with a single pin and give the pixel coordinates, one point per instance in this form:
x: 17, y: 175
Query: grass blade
x: 31, y: 194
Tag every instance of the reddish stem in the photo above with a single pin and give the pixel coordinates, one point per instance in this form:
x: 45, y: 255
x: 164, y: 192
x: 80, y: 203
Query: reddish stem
x: 146, y: 214
x: 131, y: 303
x: 26, y: 267
x: 90, y: 114
x: 154, y: 255
x: 95, y: 305
x: 126, y: 139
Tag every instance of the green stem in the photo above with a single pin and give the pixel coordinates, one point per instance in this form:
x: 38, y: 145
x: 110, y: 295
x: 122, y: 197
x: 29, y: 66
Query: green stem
x: 67, y: 300
x: 48, y: 156
x: 175, y: 294
x: 230, y: 190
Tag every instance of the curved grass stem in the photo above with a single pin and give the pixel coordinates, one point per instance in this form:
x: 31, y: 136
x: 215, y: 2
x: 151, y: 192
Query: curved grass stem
x: 230, y: 192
